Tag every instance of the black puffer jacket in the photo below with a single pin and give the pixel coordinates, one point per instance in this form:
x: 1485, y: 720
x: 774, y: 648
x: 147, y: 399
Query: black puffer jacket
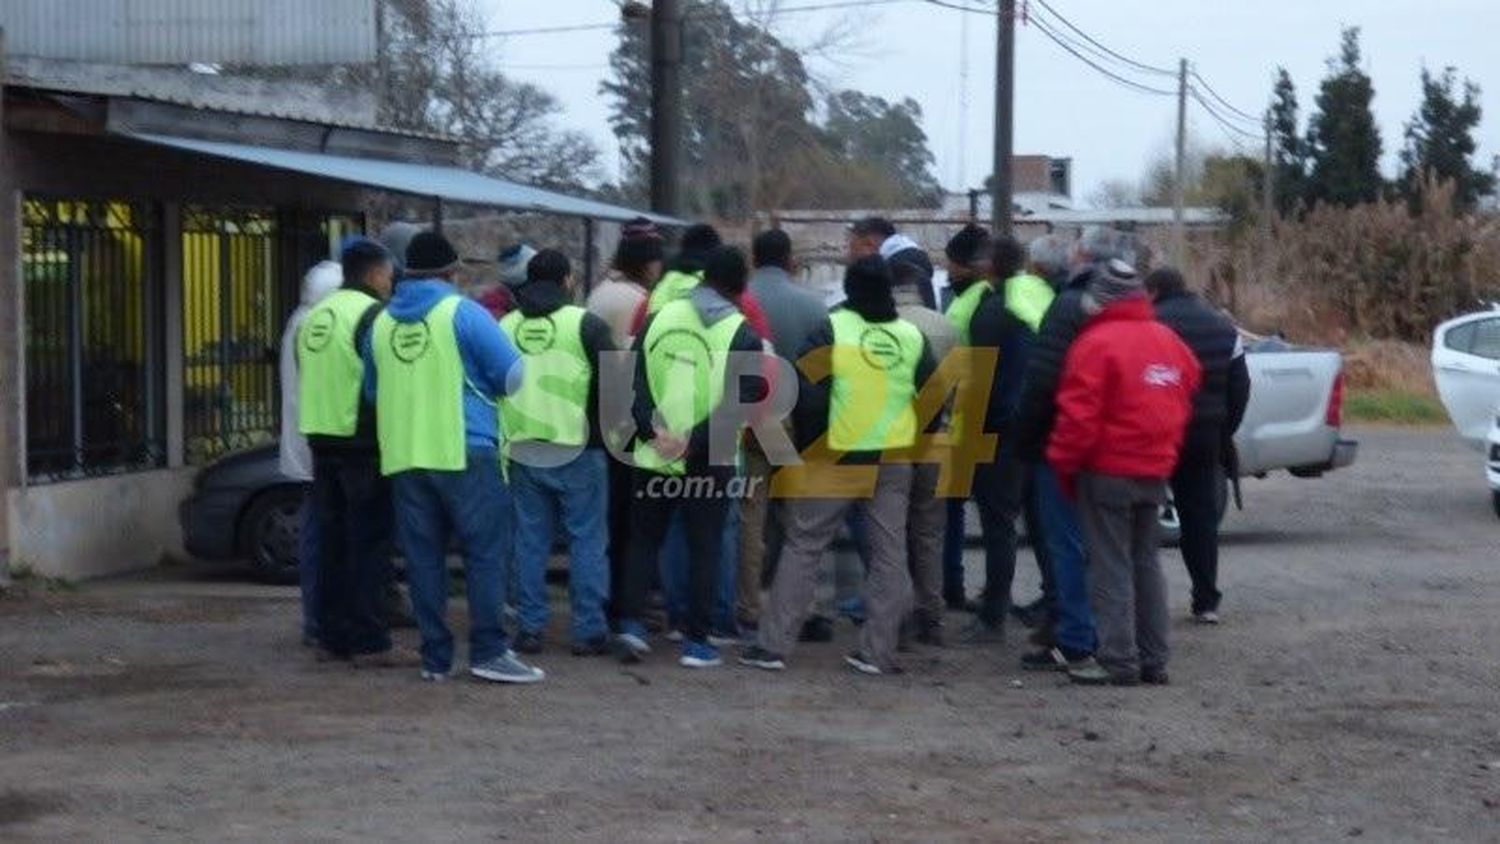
x: 1037, y: 407
x: 1213, y: 339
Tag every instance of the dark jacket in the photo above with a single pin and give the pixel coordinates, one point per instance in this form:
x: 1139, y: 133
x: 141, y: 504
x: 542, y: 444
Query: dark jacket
x: 1037, y: 407
x: 810, y: 415
x: 363, y: 441
x: 712, y: 307
x: 996, y: 327
x: 1220, y: 402
x: 540, y: 298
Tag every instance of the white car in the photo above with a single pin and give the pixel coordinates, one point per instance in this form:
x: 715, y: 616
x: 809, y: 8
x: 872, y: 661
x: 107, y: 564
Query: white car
x: 1466, y: 367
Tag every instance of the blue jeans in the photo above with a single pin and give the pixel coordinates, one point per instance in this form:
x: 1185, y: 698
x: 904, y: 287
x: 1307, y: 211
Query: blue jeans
x: 474, y: 505
x: 578, y: 491
x: 309, y: 553
x: 1064, y: 537
x: 674, y: 572
x: 953, y: 553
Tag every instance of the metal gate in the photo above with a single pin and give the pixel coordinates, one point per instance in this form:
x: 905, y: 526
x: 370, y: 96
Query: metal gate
x: 232, y: 308
x: 93, y: 337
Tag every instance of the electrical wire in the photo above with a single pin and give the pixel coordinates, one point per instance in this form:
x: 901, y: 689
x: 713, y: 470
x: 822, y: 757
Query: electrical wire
x: 1230, y: 130
x: 1121, y: 80
x: 1243, y: 115
x: 1142, y: 66
x: 589, y: 27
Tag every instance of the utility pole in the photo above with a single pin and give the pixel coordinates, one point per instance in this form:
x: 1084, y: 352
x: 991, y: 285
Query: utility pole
x: 1179, y: 239
x: 1005, y: 79
x: 1268, y: 181
x: 666, y: 105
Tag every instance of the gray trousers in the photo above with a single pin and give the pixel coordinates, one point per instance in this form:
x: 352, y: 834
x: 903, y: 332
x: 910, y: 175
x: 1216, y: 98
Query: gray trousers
x: 811, y: 525
x: 926, y: 524
x: 1119, y: 518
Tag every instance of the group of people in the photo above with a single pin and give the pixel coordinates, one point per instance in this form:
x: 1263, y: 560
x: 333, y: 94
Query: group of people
x: 703, y: 429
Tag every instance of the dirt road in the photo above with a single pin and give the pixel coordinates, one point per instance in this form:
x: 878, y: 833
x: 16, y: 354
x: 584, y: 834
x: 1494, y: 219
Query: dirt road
x: 1354, y: 692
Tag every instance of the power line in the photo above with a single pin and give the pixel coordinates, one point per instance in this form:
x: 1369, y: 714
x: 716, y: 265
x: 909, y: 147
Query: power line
x: 592, y: 27
x: 1128, y: 83
x: 1230, y: 130
x: 1244, y: 115
x: 1119, y: 56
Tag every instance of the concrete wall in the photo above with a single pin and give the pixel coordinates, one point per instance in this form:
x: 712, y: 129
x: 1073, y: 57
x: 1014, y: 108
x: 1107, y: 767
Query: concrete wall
x: 99, y: 526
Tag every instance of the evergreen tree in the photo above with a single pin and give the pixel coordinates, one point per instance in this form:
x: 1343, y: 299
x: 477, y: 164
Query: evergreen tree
x: 1343, y: 142
x: 1440, y: 142
x: 1288, y: 148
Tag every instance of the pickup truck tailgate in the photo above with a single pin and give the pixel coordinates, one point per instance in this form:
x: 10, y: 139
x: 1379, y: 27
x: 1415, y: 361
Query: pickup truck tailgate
x: 1286, y: 422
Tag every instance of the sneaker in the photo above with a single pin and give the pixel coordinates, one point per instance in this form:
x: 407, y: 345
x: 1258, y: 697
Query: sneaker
x: 1089, y: 672
x: 699, y: 655
x: 816, y: 629
x: 1207, y: 617
x: 429, y: 676
x: 630, y: 643
x: 757, y: 657
x: 597, y: 646
x: 507, y: 668
x: 1155, y: 677
x: 528, y: 643
x: 1053, y: 659
x: 675, y: 635
x: 864, y: 665
x: 396, y: 656
x: 979, y: 633
x: 929, y: 630
x: 723, y: 638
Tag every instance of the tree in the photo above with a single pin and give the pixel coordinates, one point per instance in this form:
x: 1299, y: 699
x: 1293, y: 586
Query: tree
x: 1440, y: 142
x: 1288, y: 148
x: 1343, y: 142
x: 885, y: 136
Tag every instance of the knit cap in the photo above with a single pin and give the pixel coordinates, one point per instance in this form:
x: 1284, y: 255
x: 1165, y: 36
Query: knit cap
x: 513, y: 262
x: 1111, y: 282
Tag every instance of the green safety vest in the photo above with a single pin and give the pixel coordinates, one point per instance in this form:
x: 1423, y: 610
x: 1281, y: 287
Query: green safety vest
x: 671, y: 287
x: 685, y: 367
x: 552, y: 403
x: 419, y: 393
x: 961, y: 310
x: 1028, y: 297
x: 871, y: 398
x: 331, y: 370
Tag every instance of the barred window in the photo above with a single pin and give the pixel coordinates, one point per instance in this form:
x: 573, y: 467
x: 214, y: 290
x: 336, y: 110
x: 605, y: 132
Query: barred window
x: 92, y: 285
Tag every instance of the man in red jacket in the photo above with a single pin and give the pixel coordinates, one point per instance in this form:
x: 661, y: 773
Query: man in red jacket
x: 1123, y: 405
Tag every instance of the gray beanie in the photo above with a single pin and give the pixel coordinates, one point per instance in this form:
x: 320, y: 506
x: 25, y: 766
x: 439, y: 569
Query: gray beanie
x: 513, y: 262
x: 1110, y: 282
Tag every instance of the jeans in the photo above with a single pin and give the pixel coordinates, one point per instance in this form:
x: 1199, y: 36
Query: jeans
x: 1064, y: 535
x: 473, y: 504
x: 309, y: 551
x: 953, y: 552
x: 703, y: 525
x: 353, y: 502
x: 1196, y: 486
x: 577, y: 492
x: 674, y: 573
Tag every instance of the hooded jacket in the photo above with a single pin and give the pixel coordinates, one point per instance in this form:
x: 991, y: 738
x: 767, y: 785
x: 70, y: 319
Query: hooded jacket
x: 492, y: 365
x: 1125, y: 397
x: 540, y: 298
x: 296, y: 456
x: 712, y: 307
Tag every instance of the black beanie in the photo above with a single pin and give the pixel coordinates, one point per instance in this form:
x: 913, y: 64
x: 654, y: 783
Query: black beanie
x: 970, y: 246
x: 867, y: 289
x: 699, y: 240
x: 430, y: 254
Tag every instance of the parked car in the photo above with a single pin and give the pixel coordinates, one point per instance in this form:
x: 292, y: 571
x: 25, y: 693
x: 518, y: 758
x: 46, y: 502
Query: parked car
x: 1466, y: 367
x: 243, y: 508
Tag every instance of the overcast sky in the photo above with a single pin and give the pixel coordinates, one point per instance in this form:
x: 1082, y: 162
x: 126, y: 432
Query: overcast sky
x: 1064, y: 108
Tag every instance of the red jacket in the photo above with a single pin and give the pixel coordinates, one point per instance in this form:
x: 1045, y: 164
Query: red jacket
x: 1125, y: 397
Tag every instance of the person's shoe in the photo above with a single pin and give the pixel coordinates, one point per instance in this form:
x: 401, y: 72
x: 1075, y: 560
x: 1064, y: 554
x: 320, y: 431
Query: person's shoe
x: 429, y: 676
x: 1089, y: 672
x: 597, y: 646
x: 978, y: 633
x: 928, y: 629
x: 630, y: 643
x: 864, y: 665
x: 816, y: 629
x: 675, y: 635
x: 757, y: 657
x: 1155, y: 677
x: 507, y: 668
x: 1207, y: 617
x: 699, y: 655
x: 527, y: 643
x: 396, y: 656
x: 1053, y: 659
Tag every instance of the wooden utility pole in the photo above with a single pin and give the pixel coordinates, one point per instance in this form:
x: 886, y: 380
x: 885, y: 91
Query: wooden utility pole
x: 1005, y: 89
x: 1179, y: 238
x: 10, y: 374
x: 666, y: 105
x: 1268, y: 181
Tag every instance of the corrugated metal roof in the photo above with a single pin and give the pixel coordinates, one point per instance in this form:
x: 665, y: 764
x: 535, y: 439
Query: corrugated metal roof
x: 255, y: 32
x: 448, y: 183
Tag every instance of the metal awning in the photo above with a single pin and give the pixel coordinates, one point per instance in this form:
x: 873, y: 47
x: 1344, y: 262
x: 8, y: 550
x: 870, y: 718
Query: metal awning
x: 452, y: 184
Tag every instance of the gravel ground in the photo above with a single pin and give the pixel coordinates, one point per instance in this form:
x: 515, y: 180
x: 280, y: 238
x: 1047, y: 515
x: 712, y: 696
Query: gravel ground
x: 1352, y: 692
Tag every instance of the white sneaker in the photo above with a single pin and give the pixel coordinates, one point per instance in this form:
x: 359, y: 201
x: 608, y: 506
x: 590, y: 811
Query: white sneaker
x: 1206, y: 617
x: 507, y: 668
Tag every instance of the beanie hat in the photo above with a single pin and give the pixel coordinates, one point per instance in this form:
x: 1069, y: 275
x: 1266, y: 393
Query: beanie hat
x: 513, y: 263
x: 867, y: 289
x: 640, y: 244
x: 1111, y: 282
x: 699, y: 240
x: 970, y: 246
x: 430, y: 254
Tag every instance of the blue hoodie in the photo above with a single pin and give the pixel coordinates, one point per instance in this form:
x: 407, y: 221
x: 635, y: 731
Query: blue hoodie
x: 492, y: 365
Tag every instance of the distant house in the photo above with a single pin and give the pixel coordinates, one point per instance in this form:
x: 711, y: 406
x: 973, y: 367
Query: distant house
x: 156, y: 225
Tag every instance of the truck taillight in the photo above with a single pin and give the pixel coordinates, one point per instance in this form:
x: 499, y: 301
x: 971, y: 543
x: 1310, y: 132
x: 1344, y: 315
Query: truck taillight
x: 1335, y: 415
